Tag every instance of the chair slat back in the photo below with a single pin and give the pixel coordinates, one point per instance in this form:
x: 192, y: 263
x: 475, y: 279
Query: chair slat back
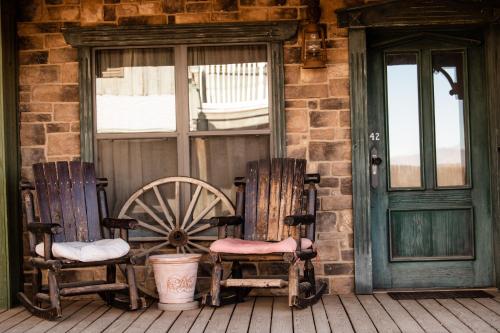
x: 90, y: 189
x: 274, y: 190
x: 67, y: 195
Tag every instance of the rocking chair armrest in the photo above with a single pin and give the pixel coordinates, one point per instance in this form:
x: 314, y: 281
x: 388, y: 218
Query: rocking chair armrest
x: 220, y: 221
x: 102, y: 182
x: 25, y: 185
x: 44, y: 228
x: 120, y: 223
x: 312, y: 178
x: 294, y: 220
x: 239, y: 181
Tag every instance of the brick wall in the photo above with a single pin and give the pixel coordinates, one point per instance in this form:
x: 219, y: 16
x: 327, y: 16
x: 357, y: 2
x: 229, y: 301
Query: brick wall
x: 316, y: 106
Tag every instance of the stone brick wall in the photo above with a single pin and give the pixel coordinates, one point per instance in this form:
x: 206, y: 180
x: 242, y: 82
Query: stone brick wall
x: 317, y: 101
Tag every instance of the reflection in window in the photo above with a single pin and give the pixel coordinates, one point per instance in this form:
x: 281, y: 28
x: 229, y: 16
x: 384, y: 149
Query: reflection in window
x: 448, y: 84
x: 135, y: 90
x: 403, y: 119
x: 228, y: 87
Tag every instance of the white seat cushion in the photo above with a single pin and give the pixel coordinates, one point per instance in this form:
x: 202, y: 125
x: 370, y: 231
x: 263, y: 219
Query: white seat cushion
x: 103, y: 249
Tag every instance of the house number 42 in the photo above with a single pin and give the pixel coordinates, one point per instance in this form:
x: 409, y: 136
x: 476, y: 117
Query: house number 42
x: 375, y: 136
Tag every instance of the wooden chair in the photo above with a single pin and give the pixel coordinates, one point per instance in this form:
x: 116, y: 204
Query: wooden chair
x: 272, y: 204
x: 72, y: 207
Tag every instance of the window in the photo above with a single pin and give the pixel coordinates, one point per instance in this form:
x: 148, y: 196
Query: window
x: 151, y: 105
x: 135, y: 90
x: 200, y: 111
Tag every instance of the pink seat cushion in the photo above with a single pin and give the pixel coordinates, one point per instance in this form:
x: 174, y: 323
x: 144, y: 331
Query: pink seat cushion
x: 240, y: 246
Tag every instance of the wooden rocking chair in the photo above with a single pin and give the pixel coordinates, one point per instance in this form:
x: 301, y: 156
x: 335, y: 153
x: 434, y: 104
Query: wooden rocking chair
x: 271, y: 206
x: 72, y: 207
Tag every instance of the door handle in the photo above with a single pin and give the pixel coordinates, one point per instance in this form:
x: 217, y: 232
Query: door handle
x: 375, y: 161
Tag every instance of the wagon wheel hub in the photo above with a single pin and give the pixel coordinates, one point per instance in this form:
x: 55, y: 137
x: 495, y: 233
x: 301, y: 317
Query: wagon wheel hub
x: 178, y: 237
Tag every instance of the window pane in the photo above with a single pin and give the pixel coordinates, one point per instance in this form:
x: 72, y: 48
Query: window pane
x: 403, y: 118
x: 130, y: 164
x: 218, y: 160
x: 448, y: 81
x: 228, y: 87
x: 135, y: 90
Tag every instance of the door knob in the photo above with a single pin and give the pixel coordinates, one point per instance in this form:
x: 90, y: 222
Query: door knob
x: 375, y: 161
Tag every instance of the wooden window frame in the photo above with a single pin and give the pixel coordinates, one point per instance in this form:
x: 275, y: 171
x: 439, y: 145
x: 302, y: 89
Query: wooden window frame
x: 87, y: 40
x: 183, y: 134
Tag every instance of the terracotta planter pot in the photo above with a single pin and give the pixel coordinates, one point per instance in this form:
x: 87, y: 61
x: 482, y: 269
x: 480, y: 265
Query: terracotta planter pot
x: 175, y: 276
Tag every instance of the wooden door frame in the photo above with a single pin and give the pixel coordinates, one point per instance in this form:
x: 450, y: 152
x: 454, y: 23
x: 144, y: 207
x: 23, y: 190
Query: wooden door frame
x: 410, y: 13
x: 10, y: 223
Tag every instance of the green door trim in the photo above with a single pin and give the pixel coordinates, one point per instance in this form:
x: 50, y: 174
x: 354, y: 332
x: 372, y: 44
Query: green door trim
x: 10, y: 224
x: 360, y: 155
x: 492, y: 63
x: 363, y: 278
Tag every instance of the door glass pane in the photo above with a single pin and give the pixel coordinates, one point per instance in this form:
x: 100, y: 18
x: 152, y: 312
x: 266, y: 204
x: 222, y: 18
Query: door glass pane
x: 448, y: 81
x: 135, y: 90
x: 403, y: 119
x: 219, y: 159
x: 228, y: 87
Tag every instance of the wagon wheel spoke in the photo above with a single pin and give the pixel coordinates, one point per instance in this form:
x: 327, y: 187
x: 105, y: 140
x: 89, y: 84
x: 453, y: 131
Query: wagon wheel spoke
x: 198, y: 246
x: 203, y: 213
x: 154, y: 248
x: 151, y: 228
x: 164, y: 207
x: 147, y: 239
x: 193, y: 202
x: 190, y: 250
x: 147, y: 273
x: 200, y: 229
x: 177, y: 204
x: 204, y: 238
x: 148, y: 269
x: 152, y: 214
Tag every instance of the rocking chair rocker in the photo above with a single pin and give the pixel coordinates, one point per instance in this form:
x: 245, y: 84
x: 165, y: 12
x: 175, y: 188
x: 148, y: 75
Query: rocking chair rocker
x: 73, y: 208
x: 276, y: 215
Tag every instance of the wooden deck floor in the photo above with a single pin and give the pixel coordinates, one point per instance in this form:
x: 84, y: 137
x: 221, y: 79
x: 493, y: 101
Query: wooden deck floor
x: 348, y: 313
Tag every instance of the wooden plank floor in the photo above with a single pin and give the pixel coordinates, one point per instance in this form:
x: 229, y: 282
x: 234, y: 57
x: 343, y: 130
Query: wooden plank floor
x: 346, y: 313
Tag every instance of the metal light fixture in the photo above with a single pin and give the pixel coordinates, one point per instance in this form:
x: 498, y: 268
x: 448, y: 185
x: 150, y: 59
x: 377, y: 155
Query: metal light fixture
x: 313, y: 39
x: 313, y: 46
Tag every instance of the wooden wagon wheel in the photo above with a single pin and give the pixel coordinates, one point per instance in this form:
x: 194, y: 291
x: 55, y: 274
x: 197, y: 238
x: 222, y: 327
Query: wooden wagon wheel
x: 172, y: 218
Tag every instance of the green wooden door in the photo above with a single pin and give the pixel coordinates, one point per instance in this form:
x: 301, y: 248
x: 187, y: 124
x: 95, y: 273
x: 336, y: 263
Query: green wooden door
x: 430, y: 192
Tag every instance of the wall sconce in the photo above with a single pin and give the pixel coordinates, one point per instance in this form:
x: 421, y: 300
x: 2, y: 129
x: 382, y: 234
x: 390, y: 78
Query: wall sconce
x: 313, y: 38
x: 313, y: 46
